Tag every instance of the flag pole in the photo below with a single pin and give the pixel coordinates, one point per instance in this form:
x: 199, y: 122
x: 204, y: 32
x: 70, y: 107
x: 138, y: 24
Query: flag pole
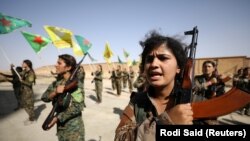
x: 6, y: 57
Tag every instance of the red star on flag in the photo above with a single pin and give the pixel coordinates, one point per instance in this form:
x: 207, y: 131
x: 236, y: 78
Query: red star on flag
x: 38, y: 39
x: 86, y: 42
x: 5, y: 22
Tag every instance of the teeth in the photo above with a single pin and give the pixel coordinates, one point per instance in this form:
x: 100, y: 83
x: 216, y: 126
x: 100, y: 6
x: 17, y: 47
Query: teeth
x: 155, y: 74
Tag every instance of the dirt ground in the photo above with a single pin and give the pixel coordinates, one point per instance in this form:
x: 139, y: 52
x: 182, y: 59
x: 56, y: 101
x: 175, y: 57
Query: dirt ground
x: 100, y: 119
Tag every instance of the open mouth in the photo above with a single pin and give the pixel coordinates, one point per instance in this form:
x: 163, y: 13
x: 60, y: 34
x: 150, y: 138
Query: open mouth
x: 155, y: 75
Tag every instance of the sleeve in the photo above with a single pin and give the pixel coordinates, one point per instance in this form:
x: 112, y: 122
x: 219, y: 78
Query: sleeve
x: 7, y: 75
x: 99, y: 76
x: 30, y: 80
x: 74, y: 110
x: 51, y: 88
x: 199, y: 86
x: 127, y: 128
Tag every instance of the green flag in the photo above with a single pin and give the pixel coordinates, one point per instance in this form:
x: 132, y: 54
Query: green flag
x: 84, y: 44
x: 8, y: 24
x: 119, y: 60
x: 125, y: 53
x: 37, y: 42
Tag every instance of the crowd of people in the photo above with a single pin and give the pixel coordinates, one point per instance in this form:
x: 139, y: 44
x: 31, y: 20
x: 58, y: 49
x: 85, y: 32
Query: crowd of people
x: 154, y: 91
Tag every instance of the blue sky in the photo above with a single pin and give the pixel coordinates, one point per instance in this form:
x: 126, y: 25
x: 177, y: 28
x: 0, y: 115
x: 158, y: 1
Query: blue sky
x: 224, y: 26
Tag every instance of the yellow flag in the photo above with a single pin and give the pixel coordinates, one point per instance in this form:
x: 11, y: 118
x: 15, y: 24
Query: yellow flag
x: 61, y: 38
x: 129, y: 62
x: 108, y: 60
x: 77, y: 50
x: 107, y: 54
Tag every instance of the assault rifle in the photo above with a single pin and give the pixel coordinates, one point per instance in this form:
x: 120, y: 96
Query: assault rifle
x: 187, y: 74
x: 62, y: 101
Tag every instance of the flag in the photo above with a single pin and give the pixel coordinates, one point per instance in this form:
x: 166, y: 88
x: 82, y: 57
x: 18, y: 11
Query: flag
x: 8, y: 23
x: 91, y: 58
x: 107, y: 52
x: 108, y: 60
x: 84, y: 44
x: 125, y: 53
x: 119, y: 60
x: 77, y: 51
x: 61, y: 38
x: 129, y: 62
x: 37, y: 42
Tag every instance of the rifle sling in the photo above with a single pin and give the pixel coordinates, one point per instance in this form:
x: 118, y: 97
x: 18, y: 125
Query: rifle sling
x: 231, y: 101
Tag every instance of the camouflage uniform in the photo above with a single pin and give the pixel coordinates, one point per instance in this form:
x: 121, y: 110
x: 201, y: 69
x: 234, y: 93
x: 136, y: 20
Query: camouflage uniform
x: 203, y: 92
x: 131, y: 80
x: 98, y: 85
x: 118, y: 77
x: 70, y: 125
x: 28, y: 78
x: 112, y: 77
x: 81, y: 77
x: 140, y: 83
x: 125, y: 75
x: 243, y: 82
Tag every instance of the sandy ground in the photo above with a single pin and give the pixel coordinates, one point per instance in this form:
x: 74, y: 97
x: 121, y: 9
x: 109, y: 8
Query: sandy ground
x: 100, y: 119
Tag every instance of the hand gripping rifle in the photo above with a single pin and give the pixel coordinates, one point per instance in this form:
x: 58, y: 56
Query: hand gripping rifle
x: 62, y: 101
x: 231, y: 101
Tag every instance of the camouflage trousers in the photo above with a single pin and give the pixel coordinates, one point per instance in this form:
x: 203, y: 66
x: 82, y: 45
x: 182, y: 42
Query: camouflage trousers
x: 27, y: 101
x: 130, y: 85
x: 113, y: 84
x: 74, y: 130
x: 98, y: 89
x: 125, y: 81
x: 118, y: 86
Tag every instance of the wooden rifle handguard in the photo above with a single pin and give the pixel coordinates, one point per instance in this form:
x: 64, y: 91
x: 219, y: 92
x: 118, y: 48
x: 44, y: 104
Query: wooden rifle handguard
x: 229, y: 102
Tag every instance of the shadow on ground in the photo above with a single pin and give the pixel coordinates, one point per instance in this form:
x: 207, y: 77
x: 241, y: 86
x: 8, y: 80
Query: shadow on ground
x: 108, y: 88
x: 8, y: 102
x: 39, y: 109
x: 111, y: 93
x: 93, y: 98
x: 117, y: 111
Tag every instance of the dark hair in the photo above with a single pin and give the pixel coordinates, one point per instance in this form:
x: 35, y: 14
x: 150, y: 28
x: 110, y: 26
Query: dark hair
x: 209, y: 62
x: 69, y: 60
x: 215, y: 72
x: 29, y: 64
x: 154, y: 40
x: 100, y: 67
x: 19, y: 69
x: 245, y: 71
